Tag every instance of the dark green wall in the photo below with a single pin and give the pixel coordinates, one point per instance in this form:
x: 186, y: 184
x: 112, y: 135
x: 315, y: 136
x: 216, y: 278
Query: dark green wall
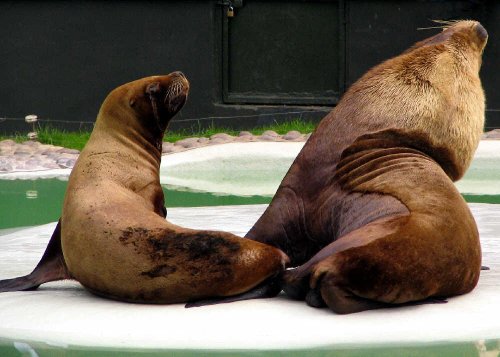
x: 59, y: 59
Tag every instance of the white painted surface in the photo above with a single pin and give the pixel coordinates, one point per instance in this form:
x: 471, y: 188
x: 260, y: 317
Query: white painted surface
x: 241, y: 169
x: 483, y: 176
x: 63, y: 313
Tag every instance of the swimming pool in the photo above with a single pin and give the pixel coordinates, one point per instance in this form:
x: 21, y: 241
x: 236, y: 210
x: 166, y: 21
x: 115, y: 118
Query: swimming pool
x: 230, y: 174
x: 62, y: 318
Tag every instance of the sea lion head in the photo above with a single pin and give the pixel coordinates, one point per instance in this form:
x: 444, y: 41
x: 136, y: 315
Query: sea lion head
x: 144, y: 108
x: 433, y: 89
x: 157, y: 99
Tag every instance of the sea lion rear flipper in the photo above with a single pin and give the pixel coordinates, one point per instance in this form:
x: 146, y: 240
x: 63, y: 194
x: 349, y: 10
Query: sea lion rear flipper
x: 320, y: 281
x: 267, y: 289
x: 50, y: 268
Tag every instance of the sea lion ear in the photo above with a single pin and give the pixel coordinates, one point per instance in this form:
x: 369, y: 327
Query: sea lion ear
x: 153, y: 88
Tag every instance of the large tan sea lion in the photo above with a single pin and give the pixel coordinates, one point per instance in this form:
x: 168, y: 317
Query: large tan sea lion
x: 368, y: 212
x: 113, y: 237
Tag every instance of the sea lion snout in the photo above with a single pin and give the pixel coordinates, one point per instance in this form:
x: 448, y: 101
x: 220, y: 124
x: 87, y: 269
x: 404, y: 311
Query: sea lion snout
x: 177, y: 92
x: 167, y: 95
x: 481, y: 32
x: 169, y: 88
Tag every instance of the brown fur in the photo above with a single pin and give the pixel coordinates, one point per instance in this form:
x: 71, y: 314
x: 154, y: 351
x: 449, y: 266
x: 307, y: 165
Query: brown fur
x: 113, y: 233
x: 368, y: 210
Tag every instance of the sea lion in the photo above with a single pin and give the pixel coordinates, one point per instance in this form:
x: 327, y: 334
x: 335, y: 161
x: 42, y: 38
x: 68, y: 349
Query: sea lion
x: 113, y: 236
x: 368, y: 212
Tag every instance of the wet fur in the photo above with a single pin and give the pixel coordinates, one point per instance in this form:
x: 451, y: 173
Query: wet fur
x: 113, y: 237
x: 368, y: 212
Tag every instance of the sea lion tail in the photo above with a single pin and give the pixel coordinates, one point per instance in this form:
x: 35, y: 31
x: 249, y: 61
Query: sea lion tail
x: 51, y: 267
x: 267, y: 289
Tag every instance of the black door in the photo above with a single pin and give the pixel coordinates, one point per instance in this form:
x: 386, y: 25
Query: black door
x: 284, y: 52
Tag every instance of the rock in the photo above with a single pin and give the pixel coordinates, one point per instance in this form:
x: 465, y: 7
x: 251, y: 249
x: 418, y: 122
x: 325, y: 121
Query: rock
x: 7, y: 150
x: 188, y: 143
x: 245, y: 133
x: 245, y: 138
x: 31, y: 143
x: 31, y: 165
x: 270, y: 133
x: 65, y: 163
x: 292, y: 135
x: 203, y: 140
x: 166, y: 147
x: 217, y: 141
x: 53, y: 155
x: 7, y: 142
x: 70, y: 163
x: 49, y: 165
x: 492, y: 135
x: 223, y: 136
x: 23, y: 152
x: 173, y: 149
x: 265, y: 137
x: 68, y: 151
x: 5, y: 165
x: 33, y: 162
x: 19, y: 166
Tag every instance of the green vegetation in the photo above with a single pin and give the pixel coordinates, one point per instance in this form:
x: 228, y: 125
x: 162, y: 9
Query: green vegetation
x: 280, y: 128
x: 72, y: 140
x: 16, y: 137
x: 77, y: 140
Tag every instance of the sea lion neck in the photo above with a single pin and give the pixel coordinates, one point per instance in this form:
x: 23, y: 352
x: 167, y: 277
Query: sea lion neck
x: 118, y: 132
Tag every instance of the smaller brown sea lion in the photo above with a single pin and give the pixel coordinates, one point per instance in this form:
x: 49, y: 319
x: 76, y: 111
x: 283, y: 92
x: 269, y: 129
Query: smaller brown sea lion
x: 368, y: 212
x: 113, y: 237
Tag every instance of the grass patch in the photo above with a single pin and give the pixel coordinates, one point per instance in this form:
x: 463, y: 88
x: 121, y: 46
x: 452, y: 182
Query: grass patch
x: 18, y: 138
x: 281, y: 128
x: 67, y: 139
x: 77, y: 140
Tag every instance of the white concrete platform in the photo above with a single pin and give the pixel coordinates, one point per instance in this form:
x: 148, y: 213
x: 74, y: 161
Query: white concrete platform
x: 62, y: 315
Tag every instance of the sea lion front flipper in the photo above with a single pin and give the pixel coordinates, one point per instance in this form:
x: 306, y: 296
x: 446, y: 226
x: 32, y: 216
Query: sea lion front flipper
x: 50, y: 268
x: 267, y: 289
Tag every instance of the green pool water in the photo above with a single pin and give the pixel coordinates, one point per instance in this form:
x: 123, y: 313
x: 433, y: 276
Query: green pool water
x: 460, y: 349
x: 34, y: 202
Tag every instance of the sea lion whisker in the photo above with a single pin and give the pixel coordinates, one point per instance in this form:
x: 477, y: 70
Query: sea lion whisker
x: 446, y: 22
x: 431, y: 27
